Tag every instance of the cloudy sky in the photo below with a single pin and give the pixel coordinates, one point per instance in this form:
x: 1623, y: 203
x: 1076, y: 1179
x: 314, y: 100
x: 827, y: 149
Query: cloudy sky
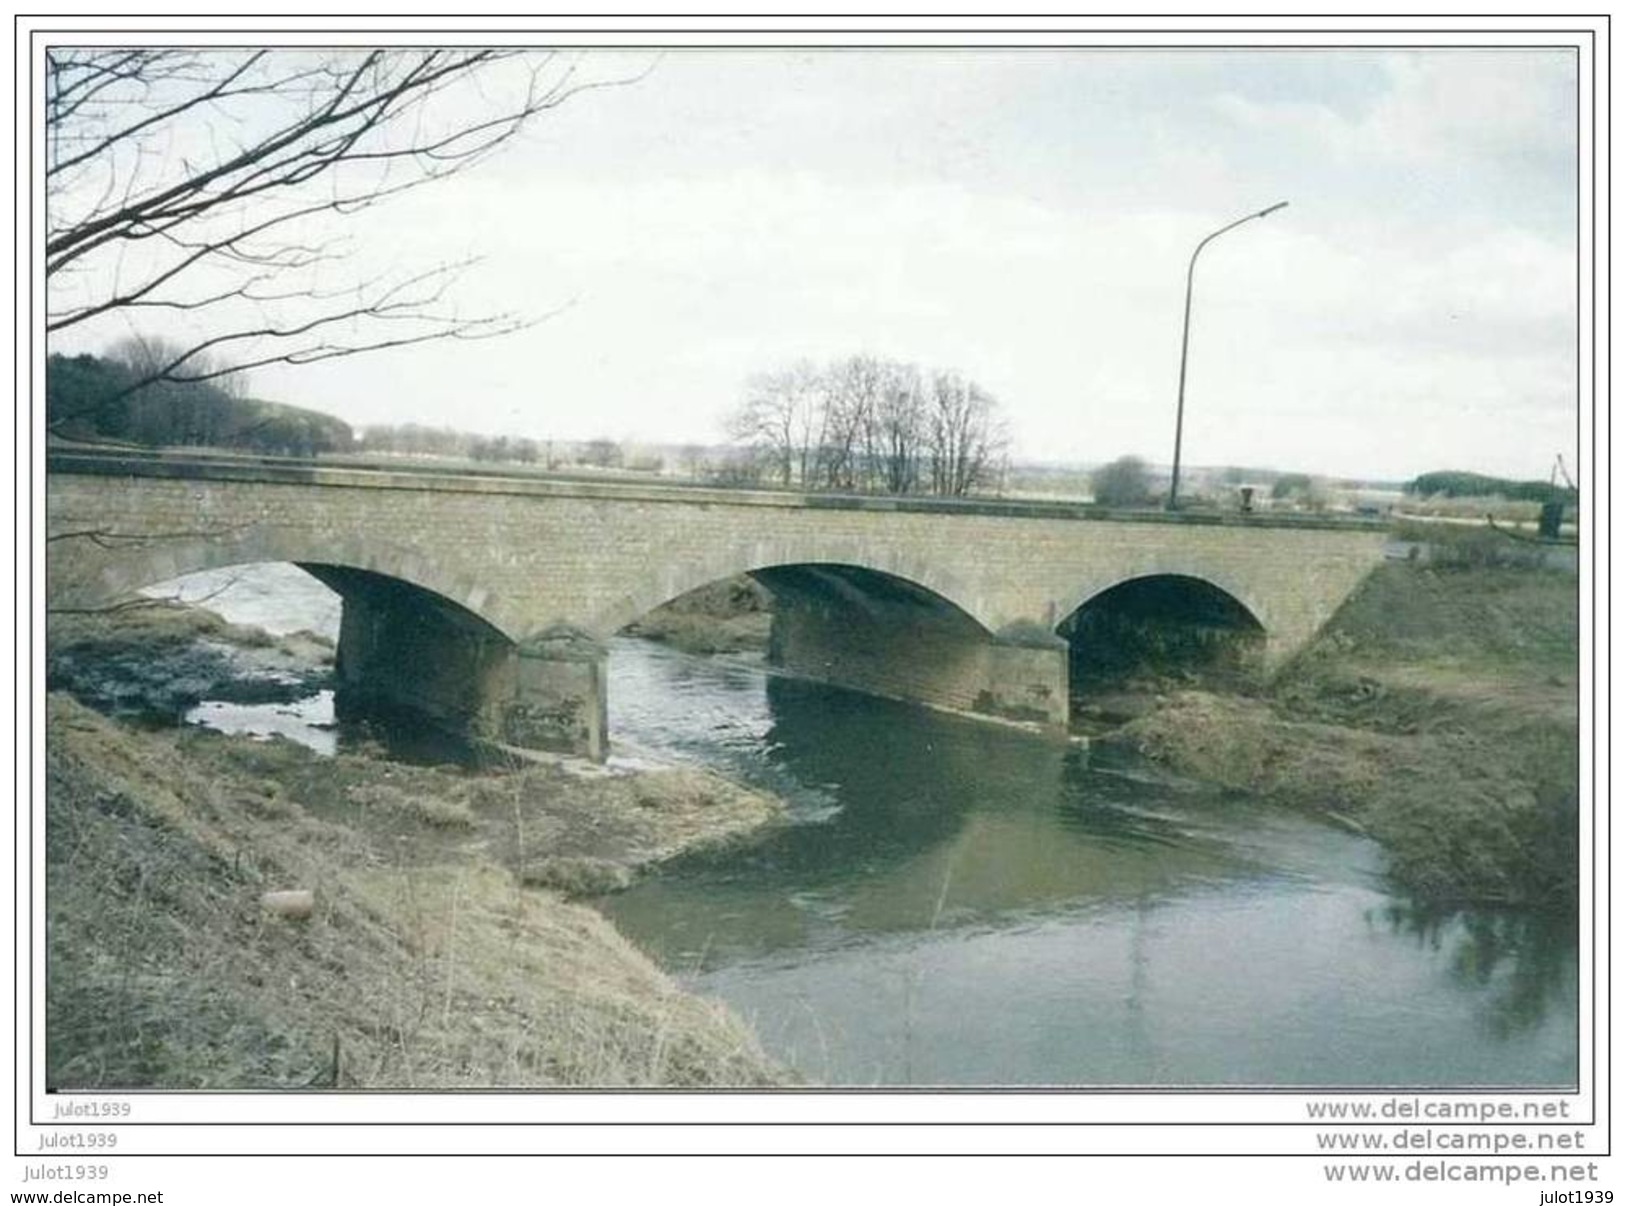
x: 1026, y: 217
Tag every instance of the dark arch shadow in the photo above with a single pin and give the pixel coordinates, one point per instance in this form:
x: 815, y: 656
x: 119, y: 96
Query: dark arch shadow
x: 866, y: 593
x: 1159, y: 626
x: 406, y: 651
x: 832, y: 586
x: 432, y: 608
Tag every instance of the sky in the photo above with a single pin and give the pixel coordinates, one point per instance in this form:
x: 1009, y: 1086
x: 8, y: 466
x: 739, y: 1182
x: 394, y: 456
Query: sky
x: 1025, y: 217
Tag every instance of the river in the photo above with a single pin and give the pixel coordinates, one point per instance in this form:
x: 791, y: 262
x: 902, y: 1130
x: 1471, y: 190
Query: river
x: 957, y: 903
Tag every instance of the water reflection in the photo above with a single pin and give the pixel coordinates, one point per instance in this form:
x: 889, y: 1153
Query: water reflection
x: 1519, y: 965
x: 936, y: 822
x: 965, y: 904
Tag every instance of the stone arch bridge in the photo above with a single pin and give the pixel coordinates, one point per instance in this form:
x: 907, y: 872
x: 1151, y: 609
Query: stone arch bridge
x: 485, y: 600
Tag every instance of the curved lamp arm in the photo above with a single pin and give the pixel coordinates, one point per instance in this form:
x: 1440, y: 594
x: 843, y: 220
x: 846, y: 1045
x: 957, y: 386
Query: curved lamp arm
x: 1185, y: 341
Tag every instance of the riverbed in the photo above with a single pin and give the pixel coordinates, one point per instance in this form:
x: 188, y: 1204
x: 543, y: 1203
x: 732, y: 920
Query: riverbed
x: 957, y: 903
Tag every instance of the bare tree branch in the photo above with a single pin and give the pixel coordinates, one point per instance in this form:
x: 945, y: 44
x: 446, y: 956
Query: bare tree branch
x: 205, y: 183
x: 108, y: 538
x: 143, y: 601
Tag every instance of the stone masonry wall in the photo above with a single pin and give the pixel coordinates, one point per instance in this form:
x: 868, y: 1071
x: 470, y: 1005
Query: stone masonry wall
x: 528, y: 556
x: 538, y: 556
x: 906, y: 653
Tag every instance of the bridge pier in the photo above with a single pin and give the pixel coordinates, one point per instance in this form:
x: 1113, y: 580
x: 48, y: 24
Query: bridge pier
x: 559, y: 698
x: 1026, y: 681
x: 404, y: 649
x: 890, y: 642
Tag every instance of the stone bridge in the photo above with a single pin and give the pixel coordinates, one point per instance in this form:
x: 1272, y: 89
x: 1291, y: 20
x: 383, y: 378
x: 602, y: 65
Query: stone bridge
x: 485, y: 600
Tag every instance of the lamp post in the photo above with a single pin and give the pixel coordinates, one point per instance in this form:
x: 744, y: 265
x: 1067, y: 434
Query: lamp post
x: 1185, y: 342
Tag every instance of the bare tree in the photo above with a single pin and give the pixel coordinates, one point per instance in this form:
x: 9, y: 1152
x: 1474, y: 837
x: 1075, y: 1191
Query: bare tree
x: 865, y: 423
x: 966, y: 440
x: 692, y: 459
x: 166, y: 411
x: 852, y: 395
x: 203, y: 186
x: 738, y: 467
x: 147, y: 354
x: 782, y: 418
x: 894, y: 434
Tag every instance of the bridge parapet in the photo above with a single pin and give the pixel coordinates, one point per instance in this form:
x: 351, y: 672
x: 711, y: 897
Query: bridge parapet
x: 372, y: 474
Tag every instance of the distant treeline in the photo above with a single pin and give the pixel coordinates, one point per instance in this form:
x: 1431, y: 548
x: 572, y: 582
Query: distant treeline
x: 102, y: 398
x: 415, y: 439
x: 1454, y: 483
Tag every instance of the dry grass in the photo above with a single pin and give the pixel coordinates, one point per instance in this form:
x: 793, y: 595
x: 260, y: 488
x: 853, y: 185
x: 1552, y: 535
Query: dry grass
x: 143, y: 624
x: 1471, y: 506
x: 1438, y: 709
x: 577, y: 875
x: 430, y: 810
x: 426, y: 963
x: 1477, y: 545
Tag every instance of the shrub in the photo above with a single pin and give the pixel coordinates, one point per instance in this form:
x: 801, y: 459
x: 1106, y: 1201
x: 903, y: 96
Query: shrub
x: 1126, y: 482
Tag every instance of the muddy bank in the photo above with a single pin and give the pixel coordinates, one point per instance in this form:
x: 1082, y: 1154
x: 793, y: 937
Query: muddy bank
x: 431, y: 959
x: 590, y: 828
x: 157, y: 659
x: 442, y: 951
x: 1438, y: 712
x: 561, y: 824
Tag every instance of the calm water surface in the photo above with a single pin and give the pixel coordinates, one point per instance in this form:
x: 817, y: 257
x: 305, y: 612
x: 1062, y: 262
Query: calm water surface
x: 964, y: 904
x: 956, y: 903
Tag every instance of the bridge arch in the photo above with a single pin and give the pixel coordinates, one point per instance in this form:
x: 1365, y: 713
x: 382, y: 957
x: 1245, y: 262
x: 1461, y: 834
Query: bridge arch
x: 1159, y: 621
x: 866, y: 569
x: 125, y: 564
x: 402, y: 647
x: 884, y: 634
x: 1194, y: 573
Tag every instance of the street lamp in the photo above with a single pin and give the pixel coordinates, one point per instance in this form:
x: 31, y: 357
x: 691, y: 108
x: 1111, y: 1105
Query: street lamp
x: 1185, y: 342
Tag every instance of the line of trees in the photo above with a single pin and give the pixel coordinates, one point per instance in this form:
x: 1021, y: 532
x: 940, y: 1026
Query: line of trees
x: 417, y: 439
x: 866, y: 424
x: 1455, y: 483
x: 116, y: 397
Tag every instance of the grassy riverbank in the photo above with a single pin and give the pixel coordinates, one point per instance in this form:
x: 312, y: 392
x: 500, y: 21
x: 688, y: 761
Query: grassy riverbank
x: 441, y: 952
x: 1437, y: 711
